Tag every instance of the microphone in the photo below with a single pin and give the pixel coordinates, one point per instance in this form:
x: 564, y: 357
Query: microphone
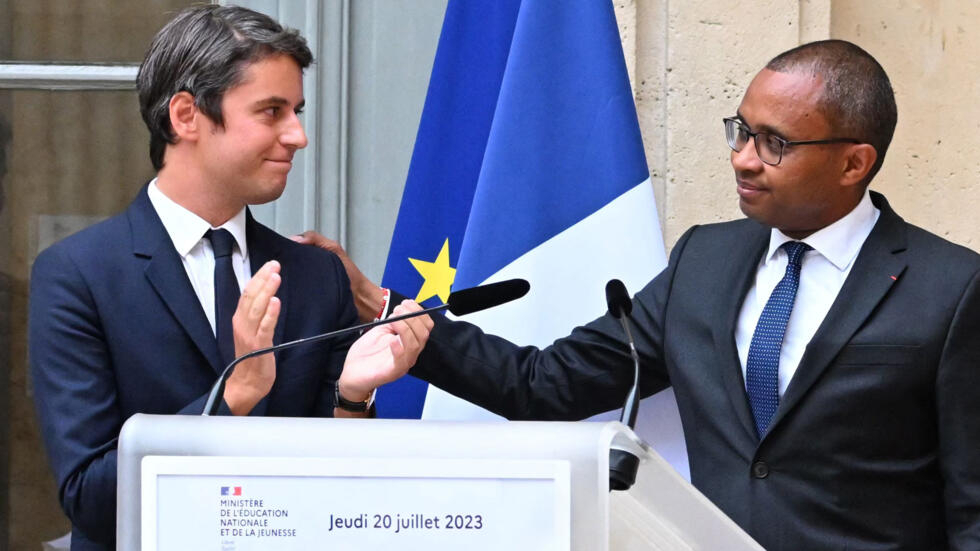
x: 460, y: 303
x: 623, y: 464
x: 474, y: 299
x: 617, y: 299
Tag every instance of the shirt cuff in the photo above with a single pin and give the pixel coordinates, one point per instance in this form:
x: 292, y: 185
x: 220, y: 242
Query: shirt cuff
x: 385, y: 309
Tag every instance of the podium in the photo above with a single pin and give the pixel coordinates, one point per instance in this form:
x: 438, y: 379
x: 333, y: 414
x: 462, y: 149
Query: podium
x: 239, y: 483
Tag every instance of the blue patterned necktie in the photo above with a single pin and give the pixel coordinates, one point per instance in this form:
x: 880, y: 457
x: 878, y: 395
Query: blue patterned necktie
x: 762, y: 366
x: 226, y: 292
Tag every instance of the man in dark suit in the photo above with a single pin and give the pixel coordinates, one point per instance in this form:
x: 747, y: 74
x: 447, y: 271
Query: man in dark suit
x: 825, y: 354
x: 142, y: 312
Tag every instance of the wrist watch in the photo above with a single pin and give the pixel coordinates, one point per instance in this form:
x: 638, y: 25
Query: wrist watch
x: 354, y: 407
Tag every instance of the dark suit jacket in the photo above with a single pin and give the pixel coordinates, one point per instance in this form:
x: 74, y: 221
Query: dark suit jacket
x: 876, y: 443
x: 116, y: 329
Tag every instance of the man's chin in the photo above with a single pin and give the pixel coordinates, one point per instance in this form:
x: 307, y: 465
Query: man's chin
x: 746, y: 208
x: 755, y: 213
x: 268, y: 194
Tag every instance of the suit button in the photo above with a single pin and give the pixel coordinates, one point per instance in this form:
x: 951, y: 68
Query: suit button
x: 760, y: 469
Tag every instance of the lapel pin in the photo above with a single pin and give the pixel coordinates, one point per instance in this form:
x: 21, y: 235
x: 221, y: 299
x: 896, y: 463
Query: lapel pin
x: 894, y: 278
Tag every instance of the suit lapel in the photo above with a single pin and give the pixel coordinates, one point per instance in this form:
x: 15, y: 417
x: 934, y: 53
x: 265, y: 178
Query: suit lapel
x: 742, y: 265
x: 877, y: 267
x: 166, y: 274
x: 265, y: 245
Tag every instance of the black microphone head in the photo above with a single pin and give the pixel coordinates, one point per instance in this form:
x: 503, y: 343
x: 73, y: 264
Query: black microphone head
x: 617, y: 299
x: 474, y: 299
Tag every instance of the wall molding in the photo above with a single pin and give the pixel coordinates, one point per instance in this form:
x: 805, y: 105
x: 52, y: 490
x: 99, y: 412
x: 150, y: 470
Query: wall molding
x: 63, y: 76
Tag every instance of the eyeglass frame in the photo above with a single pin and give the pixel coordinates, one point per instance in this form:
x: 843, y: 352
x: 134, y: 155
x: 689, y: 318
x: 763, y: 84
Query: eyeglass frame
x: 783, y: 142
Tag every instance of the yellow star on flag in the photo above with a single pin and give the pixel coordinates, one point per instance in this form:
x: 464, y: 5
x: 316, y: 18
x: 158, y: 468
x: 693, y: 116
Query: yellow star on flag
x: 439, y: 275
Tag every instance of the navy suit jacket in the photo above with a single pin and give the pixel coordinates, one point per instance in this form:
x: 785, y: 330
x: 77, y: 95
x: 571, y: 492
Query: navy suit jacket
x: 876, y: 442
x: 116, y: 329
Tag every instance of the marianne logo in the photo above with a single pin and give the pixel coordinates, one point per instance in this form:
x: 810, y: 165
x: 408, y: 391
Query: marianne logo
x: 231, y: 490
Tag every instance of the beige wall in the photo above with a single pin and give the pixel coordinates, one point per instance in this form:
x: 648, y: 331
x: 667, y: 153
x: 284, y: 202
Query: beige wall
x: 929, y: 48
x: 691, y: 61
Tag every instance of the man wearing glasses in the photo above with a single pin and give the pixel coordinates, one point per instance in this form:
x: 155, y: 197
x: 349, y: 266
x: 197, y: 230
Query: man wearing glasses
x: 824, y: 353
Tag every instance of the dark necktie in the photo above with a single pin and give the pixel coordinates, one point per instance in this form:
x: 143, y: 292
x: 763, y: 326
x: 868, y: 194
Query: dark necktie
x: 226, y: 292
x: 762, y: 366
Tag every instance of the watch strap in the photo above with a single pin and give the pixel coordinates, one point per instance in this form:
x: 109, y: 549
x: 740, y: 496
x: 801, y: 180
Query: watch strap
x: 347, y: 405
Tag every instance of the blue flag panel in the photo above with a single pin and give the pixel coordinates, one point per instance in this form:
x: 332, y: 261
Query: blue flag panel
x: 449, y: 150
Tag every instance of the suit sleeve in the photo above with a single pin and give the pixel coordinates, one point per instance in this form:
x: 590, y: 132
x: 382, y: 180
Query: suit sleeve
x: 75, y: 393
x: 587, y: 372
x: 958, y: 402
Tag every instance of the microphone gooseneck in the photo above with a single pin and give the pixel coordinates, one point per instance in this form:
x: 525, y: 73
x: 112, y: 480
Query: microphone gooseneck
x: 623, y: 465
x: 211, y: 406
x: 460, y: 303
x: 620, y: 307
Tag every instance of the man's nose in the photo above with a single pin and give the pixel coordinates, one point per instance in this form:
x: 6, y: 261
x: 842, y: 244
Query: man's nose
x: 293, y: 135
x: 748, y: 158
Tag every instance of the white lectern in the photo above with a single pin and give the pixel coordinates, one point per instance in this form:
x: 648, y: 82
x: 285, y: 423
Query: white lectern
x: 238, y: 483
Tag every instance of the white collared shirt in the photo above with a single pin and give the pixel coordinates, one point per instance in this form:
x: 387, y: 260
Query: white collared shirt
x: 186, y: 230
x: 822, y: 275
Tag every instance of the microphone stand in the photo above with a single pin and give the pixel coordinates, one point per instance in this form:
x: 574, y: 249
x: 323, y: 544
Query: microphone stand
x: 632, y: 406
x: 218, y: 389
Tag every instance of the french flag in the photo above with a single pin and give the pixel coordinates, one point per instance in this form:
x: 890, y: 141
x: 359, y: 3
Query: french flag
x: 528, y: 163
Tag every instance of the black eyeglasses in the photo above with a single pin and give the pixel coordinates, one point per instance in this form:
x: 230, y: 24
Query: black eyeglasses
x: 768, y: 146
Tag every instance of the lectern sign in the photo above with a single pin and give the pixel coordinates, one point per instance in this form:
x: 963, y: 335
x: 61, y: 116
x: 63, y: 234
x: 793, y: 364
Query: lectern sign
x: 252, y: 503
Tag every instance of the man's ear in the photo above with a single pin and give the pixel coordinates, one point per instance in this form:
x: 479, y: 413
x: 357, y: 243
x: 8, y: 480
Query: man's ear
x: 858, y: 161
x: 185, y: 119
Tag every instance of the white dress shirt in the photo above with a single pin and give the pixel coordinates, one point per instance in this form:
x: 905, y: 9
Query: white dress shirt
x: 823, y: 272
x: 187, y: 230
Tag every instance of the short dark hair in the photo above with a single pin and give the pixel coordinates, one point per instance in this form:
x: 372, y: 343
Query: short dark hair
x: 858, y: 100
x: 204, y: 51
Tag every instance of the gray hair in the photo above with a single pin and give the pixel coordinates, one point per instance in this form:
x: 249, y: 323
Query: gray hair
x: 204, y: 51
x: 858, y: 100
